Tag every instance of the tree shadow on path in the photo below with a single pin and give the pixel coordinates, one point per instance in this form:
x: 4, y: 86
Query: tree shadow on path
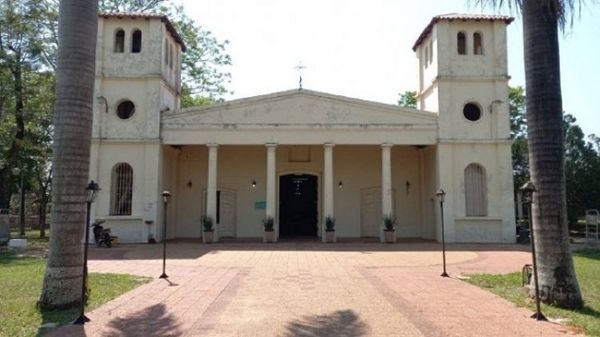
x: 151, y: 321
x: 339, y: 323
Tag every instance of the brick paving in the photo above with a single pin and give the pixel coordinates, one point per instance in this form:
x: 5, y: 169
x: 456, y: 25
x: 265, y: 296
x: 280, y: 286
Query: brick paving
x: 309, y: 289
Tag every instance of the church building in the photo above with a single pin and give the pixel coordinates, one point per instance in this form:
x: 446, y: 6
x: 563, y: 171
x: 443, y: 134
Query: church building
x: 301, y: 156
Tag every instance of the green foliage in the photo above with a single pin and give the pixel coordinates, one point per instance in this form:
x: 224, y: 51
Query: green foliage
x: 207, y: 223
x: 20, y: 290
x: 389, y: 223
x: 587, y: 268
x: 408, y: 99
x: 582, y: 171
x: 518, y: 133
x: 268, y: 224
x: 329, y: 224
x: 27, y: 52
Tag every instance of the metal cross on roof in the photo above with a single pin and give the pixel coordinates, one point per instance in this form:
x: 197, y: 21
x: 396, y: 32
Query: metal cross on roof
x: 299, y: 68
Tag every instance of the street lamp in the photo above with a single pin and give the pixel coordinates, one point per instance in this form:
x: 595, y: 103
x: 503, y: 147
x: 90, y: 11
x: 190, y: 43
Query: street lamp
x: 527, y: 190
x: 91, y: 191
x: 441, y: 195
x: 18, y: 172
x: 165, y: 195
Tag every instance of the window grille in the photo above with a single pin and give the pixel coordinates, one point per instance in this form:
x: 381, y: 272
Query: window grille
x: 122, y: 189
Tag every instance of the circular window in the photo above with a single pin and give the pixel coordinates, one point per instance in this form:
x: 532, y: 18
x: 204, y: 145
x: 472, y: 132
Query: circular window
x: 472, y: 112
x: 125, y: 109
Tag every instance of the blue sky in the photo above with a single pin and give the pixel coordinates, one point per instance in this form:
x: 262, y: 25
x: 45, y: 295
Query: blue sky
x: 362, y: 48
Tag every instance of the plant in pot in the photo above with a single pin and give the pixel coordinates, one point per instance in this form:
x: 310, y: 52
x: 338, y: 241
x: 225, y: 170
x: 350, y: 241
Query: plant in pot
x: 329, y: 229
x: 389, y: 228
x: 269, y: 229
x: 207, y: 229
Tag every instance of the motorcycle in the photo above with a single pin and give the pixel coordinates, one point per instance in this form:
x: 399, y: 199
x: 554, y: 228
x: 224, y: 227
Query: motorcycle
x: 101, y: 234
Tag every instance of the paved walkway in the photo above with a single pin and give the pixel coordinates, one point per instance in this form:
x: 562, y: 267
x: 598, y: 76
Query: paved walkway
x: 309, y: 290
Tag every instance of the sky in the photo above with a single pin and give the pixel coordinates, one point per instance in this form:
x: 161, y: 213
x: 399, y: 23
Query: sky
x: 362, y: 48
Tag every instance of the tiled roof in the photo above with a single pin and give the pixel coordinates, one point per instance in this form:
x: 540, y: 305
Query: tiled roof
x: 457, y: 16
x: 136, y: 15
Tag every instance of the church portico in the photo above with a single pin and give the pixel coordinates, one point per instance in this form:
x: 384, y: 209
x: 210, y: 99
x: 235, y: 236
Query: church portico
x: 252, y: 182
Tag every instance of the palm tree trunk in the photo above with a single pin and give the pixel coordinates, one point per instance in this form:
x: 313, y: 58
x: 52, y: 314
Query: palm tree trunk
x: 77, y: 31
x: 557, y: 280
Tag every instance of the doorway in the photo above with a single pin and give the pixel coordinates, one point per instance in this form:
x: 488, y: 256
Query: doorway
x: 298, y: 205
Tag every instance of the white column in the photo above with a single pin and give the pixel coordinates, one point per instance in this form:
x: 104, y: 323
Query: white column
x: 211, y: 187
x: 327, y: 186
x: 271, y: 207
x: 386, y: 183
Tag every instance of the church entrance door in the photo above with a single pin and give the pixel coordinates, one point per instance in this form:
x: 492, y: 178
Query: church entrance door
x: 298, y: 205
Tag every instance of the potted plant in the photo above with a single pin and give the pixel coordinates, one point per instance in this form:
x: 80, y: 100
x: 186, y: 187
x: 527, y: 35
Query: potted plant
x: 207, y: 229
x: 389, y: 228
x: 269, y: 229
x: 329, y: 229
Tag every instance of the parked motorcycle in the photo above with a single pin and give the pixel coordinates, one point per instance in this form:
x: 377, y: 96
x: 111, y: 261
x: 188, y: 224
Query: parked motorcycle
x: 101, y: 235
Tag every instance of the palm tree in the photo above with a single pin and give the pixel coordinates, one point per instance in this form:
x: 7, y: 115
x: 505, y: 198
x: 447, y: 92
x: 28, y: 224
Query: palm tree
x: 75, y: 71
x: 541, y: 21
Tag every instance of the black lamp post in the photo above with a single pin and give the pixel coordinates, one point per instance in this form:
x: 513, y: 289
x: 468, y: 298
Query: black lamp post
x: 165, y: 195
x: 441, y: 195
x: 91, y: 192
x: 528, y: 189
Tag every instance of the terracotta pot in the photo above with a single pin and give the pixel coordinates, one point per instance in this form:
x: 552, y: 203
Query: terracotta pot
x: 269, y: 237
x: 329, y: 236
x: 390, y: 236
x: 207, y: 237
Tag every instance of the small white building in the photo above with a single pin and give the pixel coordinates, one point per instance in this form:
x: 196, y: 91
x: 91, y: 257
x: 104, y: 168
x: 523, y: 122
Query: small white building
x: 300, y: 156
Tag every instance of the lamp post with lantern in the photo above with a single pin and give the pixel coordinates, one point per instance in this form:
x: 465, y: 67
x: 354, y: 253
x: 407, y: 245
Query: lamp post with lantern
x: 441, y: 195
x: 91, y: 192
x: 166, y: 195
x: 527, y: 190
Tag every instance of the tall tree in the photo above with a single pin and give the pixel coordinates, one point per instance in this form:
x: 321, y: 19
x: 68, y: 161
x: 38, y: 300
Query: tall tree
x: 582, y: 171
x: 541, y: 22
x: 72, y: 139
x: 518, y: 134
x: 21, y: 48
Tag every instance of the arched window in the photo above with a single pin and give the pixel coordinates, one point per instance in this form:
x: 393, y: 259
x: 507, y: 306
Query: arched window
x: 121, y: 189
x: 136, y: 41
x: 475, y: 190
x: 477, y: 44
x: 461, y: 43
x: 120, y: 41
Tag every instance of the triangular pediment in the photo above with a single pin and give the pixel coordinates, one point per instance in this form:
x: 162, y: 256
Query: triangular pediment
x: 298, y: 107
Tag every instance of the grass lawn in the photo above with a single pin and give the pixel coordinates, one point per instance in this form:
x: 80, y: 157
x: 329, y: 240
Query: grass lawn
x: 587, y: 267
x: 21, y: 283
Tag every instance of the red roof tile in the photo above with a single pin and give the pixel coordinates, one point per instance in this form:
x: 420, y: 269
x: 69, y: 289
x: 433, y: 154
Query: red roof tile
x: 162, y: 17
x: 462, y: 17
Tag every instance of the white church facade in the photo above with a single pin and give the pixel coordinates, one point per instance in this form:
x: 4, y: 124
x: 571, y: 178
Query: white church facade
x: 300, y: 156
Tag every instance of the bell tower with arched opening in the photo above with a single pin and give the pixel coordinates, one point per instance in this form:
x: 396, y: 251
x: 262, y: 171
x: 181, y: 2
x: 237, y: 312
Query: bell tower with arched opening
x: 463, y: 77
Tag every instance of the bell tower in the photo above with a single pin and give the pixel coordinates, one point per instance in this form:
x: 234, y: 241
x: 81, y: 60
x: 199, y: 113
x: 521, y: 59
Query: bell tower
x: 463, y: 77
x: 138, y: 72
